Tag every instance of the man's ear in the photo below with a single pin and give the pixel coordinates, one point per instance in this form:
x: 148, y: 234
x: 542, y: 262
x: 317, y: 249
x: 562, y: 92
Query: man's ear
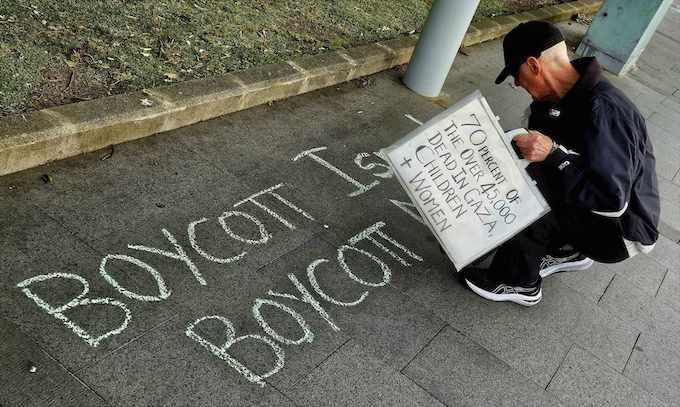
x: 534, y: 65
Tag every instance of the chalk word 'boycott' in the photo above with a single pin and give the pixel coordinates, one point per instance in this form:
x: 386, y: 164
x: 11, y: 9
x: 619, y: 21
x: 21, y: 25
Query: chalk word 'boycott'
x: 178, y: 252
x: 303, y: 295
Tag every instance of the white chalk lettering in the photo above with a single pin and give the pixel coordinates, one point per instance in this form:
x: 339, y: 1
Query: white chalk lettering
x: 179, y: 254
x: 308, y: 335
x: 271, y: 212
x: 358, y: 160
x: 163, y: 291
x: 405, y: 206
x: 78, y: 301
x: 307, y: 298
x: 360, y: 188
x: 387, y: 274
x: 191, y: 231
x: 221, y: 351
x: 264, y: 235
x: 311, y: 270
x: 367, y: 234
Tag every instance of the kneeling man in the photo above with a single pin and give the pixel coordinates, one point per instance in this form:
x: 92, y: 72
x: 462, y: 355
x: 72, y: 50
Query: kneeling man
x: 592, y: 160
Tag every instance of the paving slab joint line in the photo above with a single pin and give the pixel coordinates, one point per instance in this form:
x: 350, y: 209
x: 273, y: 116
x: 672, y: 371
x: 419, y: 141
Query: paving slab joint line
x: 424, y: 389
x: 661, y: 283
x: 72, y: 374
x: 47, y: 353
x: 311, y: 371
x: 606, y: 288
x: 631, y: 353
x: 44, y: 141
x: 559, y: 366
x: 285, y: 396
x: 424, y: 346
x: 137, y: 337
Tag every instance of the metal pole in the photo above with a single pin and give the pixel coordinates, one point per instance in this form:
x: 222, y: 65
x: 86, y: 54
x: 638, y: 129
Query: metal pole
x: 438, y: 45
x: 621, y: 30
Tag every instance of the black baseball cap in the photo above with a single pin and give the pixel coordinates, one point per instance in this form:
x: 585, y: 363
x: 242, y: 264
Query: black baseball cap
x: 527, y: 40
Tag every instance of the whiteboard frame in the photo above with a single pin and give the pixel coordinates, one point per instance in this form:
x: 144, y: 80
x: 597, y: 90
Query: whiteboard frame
x: 521, y: 164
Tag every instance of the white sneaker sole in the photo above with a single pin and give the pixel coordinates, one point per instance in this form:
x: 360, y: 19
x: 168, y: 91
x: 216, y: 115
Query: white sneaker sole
x: 568, y: 266
x: 520, y: 299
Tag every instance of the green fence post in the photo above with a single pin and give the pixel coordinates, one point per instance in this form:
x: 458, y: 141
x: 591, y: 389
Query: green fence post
x: 621, y: 30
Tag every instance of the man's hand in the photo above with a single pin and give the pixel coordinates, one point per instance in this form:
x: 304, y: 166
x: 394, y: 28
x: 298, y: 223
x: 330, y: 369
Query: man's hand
x: 534, y: 146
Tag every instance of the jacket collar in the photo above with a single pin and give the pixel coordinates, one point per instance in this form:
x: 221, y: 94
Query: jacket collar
x: 590, y: 74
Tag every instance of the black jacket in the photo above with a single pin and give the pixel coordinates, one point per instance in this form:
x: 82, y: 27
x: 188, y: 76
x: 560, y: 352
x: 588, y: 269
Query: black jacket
x: 604, y: 172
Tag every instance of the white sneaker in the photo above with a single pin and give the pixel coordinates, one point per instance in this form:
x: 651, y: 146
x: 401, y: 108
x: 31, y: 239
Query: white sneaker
x: 551, y: 264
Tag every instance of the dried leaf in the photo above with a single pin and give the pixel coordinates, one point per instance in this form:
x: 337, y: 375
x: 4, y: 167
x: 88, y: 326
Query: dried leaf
x: 108, y: 155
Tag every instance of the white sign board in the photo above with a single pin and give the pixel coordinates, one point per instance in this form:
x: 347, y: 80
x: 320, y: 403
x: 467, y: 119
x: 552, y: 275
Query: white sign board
x: 466, y: 180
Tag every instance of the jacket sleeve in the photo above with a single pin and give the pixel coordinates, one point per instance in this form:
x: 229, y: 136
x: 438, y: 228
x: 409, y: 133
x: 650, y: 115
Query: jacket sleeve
x: 600, y: 178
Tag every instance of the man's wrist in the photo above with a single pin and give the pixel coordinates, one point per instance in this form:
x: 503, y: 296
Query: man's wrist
x: 553, y: 147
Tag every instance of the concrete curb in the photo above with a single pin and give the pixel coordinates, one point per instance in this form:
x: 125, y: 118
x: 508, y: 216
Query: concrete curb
x: 47, y: 135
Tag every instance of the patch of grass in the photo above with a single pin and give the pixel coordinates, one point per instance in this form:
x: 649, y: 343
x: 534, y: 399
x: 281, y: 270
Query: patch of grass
x: 57, y: 52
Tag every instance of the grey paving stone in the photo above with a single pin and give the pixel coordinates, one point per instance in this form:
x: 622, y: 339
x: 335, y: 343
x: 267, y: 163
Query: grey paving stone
x: 591, y: 283
x: 672, y: 102
x: 655, y: 368
x: 513, y: 117
x: 666, y: 152
x: 651, y: 315
x: 664, y: 117
x: 352, y: 376
x: 251, y: 141
x: 658, y: 67
x: 572, y: 316
x: 667, y: 253
x: 510, y: 331
x: 391, y: 326
x: 49, y: 385
x: 671, y: 22
x: 669, y: 232
x: 584, y: 380
x: 479, y: 378
x: 377, y: 110
x: 670, y: 210
x: 669, y: 291
x: 46, y: 248
x: 165, y: 367
x: 644, y: 271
